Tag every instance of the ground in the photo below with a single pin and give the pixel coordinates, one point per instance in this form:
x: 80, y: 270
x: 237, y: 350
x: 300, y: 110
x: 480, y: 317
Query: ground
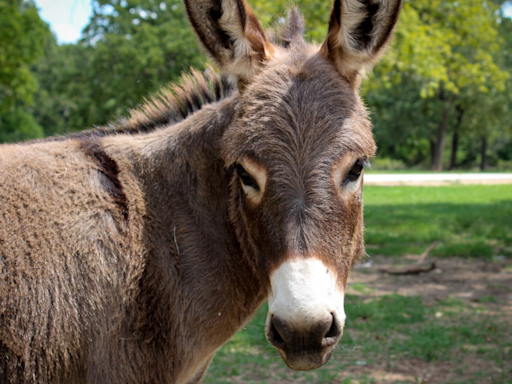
x: 453, y: 278
x: 482, y: 286
x: 451, y: 325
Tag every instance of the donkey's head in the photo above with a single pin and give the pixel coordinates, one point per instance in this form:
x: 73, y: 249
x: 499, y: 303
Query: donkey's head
x: 298, y: 146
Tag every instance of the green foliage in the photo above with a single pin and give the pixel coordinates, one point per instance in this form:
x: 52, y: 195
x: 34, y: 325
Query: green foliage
x: 445, y: 53
x: 18, y: 125
x: 136, y: 47
x: 129, y: 50
x: 21, y: 36
x: 64, y: 101
x: 271, y: 13
x: 446, y: 43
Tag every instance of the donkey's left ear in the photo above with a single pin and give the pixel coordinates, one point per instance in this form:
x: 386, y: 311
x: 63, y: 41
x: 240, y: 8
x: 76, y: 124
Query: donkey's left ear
x: 358, y: 33
x: 232, y: 36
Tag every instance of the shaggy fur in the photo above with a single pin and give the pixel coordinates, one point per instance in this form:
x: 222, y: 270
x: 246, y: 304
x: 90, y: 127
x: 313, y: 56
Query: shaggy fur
x: 129, y: 254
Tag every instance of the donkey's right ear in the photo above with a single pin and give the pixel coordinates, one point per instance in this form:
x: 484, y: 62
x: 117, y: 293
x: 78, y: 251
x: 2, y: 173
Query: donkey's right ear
x: 230, y: 32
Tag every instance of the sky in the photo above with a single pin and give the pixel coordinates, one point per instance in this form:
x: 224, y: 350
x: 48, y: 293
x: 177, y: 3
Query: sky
x: 508, y: 10
x: 67, y: 18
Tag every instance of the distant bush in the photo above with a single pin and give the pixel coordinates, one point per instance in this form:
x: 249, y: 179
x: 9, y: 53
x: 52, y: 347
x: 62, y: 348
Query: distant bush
x: 387, y: 164
x: 504, y: 165
x: 18, y: 125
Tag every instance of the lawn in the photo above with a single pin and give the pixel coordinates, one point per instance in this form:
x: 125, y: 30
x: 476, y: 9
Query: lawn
x: 470, y: 343
x: 409, y: 339
x: 467, y: 220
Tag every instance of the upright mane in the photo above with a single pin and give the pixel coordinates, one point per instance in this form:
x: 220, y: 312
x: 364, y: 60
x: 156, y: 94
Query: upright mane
x: 172, y: 104
x: 169, y: 106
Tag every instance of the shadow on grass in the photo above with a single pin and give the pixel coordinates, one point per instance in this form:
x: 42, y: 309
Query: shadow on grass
x: 474, y: 230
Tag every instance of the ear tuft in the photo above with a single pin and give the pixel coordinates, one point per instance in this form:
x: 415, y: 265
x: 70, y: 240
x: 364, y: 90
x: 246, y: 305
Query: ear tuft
x: 358, y: 33
x: 231, y: 34
x: 294, y: 29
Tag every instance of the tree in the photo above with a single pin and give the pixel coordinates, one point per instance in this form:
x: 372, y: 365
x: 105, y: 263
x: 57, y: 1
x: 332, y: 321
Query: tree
x: 271, y: 13
x: 446, y: 46
x: 128, y: 51
x: 64, y: 101
x: 21, y: 36
x: 136, y: 47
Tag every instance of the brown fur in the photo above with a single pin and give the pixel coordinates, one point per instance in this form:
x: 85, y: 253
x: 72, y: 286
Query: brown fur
x: 128, y: 254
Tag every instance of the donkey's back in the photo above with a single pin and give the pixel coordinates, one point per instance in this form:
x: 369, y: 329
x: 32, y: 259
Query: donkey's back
x: 65, y: 260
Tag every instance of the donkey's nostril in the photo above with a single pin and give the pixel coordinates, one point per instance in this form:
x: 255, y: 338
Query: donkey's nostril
x: 313, y: 337
x: 277, y: 332
x: 333, y: 333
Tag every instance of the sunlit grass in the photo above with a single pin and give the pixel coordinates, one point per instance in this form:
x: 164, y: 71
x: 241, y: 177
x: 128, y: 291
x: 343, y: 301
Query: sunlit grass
x: 467, y: 220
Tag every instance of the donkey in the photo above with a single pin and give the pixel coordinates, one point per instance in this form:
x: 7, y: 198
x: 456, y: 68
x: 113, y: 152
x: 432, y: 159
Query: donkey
x: 130, y: 253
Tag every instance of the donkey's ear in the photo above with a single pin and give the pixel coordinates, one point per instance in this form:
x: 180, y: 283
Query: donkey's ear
x: 232, y: 36
x: 358, y: 33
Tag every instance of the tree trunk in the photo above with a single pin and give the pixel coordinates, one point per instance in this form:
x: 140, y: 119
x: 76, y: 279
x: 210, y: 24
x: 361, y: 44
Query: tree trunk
x: 453, y: 156
x: 432, y: 151
x: 483, y: 163
x: 455, y: 139
x: 437, y: 160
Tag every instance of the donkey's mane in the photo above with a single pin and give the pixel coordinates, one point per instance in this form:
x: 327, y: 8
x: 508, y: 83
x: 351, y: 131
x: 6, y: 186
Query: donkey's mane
x: 168, y: 107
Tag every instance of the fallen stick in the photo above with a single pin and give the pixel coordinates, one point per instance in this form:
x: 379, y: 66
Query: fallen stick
x: 412, y: 269
x: 427, y: 251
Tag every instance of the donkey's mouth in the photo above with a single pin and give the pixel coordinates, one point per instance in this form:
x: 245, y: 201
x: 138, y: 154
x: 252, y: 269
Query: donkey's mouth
x: 304, y: 350
x: 305, y: 360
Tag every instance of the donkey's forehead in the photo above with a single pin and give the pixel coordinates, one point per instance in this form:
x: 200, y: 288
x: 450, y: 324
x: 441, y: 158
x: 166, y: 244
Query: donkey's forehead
x: 300, y: 104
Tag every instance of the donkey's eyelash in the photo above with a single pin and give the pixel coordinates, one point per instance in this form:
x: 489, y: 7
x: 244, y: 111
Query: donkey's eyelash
x: 355, y: 171
x: 245, y: 177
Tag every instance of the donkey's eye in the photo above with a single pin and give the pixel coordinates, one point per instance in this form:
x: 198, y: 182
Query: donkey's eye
x: 355, y: 172
x: 246, y: 178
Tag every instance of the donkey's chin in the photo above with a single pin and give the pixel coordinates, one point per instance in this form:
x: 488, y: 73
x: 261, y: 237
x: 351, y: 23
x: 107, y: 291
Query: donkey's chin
x: 306, y: 361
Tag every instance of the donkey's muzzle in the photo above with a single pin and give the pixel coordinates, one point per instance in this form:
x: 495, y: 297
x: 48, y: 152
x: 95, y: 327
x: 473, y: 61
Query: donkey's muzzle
x: 304, y: 348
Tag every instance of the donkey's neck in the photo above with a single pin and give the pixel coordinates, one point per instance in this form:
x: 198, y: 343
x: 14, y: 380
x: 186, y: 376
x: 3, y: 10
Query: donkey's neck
x: 193, y: 258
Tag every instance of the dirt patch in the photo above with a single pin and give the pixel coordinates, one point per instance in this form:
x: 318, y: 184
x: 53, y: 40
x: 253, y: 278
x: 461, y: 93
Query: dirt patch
x: 413, y: 370
x: 481, y: 284
x: 489, y: 283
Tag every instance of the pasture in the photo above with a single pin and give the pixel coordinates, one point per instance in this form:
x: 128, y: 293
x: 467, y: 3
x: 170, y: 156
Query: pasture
x: 448, y: 326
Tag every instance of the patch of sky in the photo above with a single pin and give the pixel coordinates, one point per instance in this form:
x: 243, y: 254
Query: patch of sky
x: 67, y: 18
x: 507, y: 10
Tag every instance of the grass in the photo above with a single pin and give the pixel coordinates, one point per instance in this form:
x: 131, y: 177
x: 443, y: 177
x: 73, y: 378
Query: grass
x: 468, y: 338
x: 467, y: 220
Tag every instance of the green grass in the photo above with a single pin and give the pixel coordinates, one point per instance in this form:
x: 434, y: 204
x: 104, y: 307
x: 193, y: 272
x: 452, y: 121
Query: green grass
x: 467, y: 220
x: 381, y: 333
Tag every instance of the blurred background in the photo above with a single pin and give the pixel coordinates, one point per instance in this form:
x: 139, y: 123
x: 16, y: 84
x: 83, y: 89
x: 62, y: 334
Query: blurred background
x: 440, y: 98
